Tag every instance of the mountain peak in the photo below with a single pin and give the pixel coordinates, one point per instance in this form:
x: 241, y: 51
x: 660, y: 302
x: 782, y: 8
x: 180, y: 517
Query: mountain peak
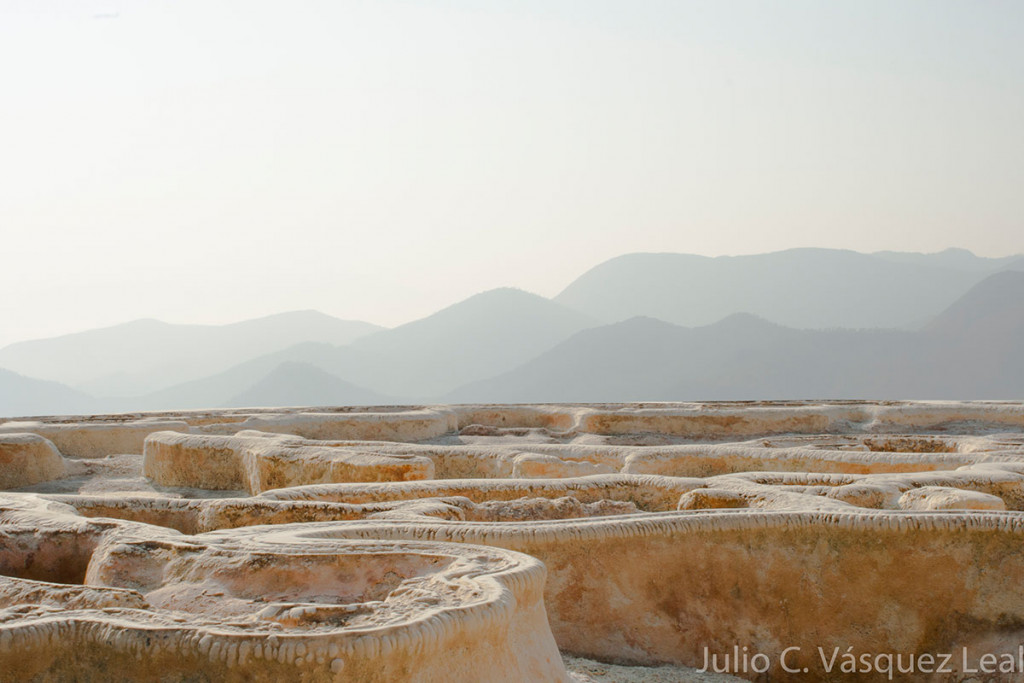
x: 500, y: 294
x: 743, y: 322
x: 996, y: 300
x: 295, y: 383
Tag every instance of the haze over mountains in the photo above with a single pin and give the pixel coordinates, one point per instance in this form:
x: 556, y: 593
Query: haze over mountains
x: 804, y: 288
x: 20, y: 395
x: 144, y: 355
x: 292, y: 383
x: 805, y: 323
x: 479, y: 337
x: 970, y: 351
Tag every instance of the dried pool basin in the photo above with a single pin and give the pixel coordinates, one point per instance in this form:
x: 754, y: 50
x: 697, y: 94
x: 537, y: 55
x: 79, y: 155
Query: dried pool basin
x: 158, y: 605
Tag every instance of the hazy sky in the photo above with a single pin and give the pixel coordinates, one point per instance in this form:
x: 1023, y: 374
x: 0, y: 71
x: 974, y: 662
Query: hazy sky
x: 203, y: 161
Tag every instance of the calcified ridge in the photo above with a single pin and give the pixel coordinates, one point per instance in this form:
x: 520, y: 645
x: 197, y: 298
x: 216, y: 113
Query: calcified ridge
x: 476, y: 542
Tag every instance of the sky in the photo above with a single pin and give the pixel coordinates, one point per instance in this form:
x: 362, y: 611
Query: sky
x: 208, y: 162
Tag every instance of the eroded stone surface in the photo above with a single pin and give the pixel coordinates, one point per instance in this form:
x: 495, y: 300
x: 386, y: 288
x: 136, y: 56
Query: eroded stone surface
x: 255, y: 461
x: 157, y: 604
x: 27, y: 459
x: 272, y: 543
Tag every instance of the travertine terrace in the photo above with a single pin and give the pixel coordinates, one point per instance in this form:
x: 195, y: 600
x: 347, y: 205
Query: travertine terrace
x: 468, y: 543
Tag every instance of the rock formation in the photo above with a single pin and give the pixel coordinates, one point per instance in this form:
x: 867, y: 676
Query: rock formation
x: 476, y: 542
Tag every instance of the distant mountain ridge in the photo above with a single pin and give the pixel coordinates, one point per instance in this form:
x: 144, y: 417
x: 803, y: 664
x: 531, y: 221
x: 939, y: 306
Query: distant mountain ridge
x: 481, y: 336
x: 144, y: 355
x: 303, y: 384
x: 801, y: 288
x: 959, y: 259
x: 507, y: 345
x: 498, y: 328
x: 22, y: 396
x: 970, y: 351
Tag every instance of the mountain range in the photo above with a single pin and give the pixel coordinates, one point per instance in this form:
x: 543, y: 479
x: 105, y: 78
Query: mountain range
x: 972, y: 350
x: 805, y: 323
x: 479, y: 337
x: 145, y: 355
x: 802, y: 288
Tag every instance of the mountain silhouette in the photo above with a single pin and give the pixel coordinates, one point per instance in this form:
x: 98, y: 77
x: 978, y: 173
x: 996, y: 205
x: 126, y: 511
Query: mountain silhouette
x: 507, y: 345
x: 144, y: 355
x: 801, y: 288
x: 25, y: 396
x: 969, y: 351
x: 302, y: 384
x: 484, y: 334
x: 481, y: 336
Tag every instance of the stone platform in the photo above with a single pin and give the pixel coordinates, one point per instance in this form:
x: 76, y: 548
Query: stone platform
x: 465, y: 543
